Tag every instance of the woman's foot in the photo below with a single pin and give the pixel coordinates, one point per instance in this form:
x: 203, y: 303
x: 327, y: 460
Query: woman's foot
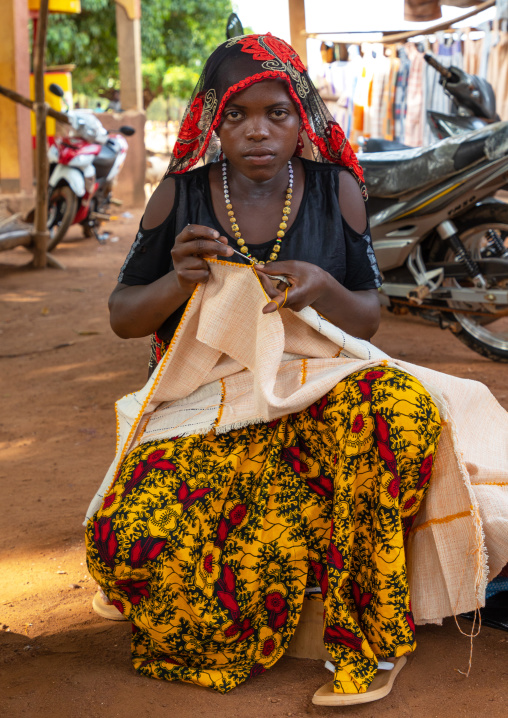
x: 103, y: 606
x: 379, y: 688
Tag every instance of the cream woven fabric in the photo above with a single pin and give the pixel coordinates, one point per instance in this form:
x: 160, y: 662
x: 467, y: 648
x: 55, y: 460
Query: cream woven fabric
x: 229, y: 365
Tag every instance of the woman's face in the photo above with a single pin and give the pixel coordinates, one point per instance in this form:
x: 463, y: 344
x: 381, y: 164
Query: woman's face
x: 259, y: 129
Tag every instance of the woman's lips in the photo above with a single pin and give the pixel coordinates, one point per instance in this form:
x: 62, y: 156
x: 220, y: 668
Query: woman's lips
x: 259, y: 157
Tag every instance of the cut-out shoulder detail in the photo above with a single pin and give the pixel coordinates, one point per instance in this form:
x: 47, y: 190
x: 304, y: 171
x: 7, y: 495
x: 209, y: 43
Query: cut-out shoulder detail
x: 351, y: 202
x: 160, y: 204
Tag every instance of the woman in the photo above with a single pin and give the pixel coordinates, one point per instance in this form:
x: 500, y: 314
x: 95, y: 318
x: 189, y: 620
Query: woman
x: 207, y: 542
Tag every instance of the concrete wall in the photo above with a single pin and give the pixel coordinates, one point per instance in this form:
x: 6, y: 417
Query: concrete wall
x: 130, y: 185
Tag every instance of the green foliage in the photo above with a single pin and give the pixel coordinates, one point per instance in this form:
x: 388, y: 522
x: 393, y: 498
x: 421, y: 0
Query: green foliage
x: 179, y: 81
x: 176, y: 37
x: 87, y: 40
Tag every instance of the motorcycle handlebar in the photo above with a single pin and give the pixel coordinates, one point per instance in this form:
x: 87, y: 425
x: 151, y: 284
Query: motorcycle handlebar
x: 444, y: 71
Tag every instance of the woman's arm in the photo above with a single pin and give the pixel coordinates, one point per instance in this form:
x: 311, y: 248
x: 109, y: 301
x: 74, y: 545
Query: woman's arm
x: 139, y: 310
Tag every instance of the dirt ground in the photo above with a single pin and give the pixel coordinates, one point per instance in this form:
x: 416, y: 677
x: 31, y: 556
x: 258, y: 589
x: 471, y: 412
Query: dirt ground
x: 61, y: 369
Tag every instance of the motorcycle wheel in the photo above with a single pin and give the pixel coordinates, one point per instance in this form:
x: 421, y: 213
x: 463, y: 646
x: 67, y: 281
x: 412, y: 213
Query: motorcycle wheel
x: 62, y: 208
x: 486, y: 335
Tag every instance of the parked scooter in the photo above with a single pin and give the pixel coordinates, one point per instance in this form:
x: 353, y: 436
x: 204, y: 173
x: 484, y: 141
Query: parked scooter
x: 83, y: 167
x: 440, y: 236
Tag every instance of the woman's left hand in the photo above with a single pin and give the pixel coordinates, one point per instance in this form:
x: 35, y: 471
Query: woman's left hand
x: 308, y: 282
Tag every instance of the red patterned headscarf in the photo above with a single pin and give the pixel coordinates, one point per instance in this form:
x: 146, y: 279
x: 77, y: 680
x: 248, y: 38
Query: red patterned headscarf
x: 240, y: 63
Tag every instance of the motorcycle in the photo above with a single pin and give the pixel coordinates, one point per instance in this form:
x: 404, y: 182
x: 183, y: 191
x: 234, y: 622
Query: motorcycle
x: 83, y: 167
x: 440, y: 235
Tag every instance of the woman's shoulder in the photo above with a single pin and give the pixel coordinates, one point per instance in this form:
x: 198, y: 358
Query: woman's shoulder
x: 162, y: 202
x: 346, y: 188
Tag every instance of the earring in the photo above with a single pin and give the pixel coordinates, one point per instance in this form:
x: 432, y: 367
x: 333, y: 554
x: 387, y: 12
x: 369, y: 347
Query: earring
x: 299, y: 144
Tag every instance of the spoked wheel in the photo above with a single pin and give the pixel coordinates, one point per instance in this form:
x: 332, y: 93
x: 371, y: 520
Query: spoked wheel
x: 486, y: 332
x: 62, y: 208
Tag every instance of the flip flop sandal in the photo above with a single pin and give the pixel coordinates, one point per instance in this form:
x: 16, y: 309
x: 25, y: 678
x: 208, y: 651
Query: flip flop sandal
x: 106, y: 610
x: 379, y: 688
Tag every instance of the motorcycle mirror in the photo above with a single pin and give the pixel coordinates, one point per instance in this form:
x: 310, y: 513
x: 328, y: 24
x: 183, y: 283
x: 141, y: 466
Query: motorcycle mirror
x: 127, y: 131
x: 56, y: 90
x: 233, y: 26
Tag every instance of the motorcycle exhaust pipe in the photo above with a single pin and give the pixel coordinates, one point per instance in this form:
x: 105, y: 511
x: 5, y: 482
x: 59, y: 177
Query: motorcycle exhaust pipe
x: 100, y: 215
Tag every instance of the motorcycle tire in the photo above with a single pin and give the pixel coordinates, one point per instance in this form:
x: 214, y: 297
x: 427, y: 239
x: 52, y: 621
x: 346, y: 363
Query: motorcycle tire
x: 62, y: 208
x: 488, y: 337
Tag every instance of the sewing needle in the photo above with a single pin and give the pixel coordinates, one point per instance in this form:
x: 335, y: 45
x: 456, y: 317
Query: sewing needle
x: 252, y: 261
x: 280, y: 277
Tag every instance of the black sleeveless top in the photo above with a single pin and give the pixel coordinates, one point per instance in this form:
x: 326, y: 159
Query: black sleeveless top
x: 318, y: 235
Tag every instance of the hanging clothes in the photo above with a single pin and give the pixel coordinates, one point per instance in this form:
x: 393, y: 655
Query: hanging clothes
x: 472, y: 52
x: 388, y: 106
x: 380, y: 65
x: 497, y: 73
x: 400, y: 103
x: 414, y: 129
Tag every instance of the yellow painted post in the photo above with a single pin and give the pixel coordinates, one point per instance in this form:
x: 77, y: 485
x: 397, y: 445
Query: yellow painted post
x: 64, y: 79
x: 297, y: 28
x: 128, y: 33
x: 16, y: 169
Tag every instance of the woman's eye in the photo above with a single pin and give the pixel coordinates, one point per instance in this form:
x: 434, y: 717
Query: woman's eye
x: 279, y: 114
x: 233, y: 115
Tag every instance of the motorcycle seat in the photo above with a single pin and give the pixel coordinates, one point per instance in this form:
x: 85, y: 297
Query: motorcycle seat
x: 395, y: 173
x: 105, y: 160
x: 378, y: 144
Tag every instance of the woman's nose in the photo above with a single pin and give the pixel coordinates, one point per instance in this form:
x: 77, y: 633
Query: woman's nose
x: 257, y: 130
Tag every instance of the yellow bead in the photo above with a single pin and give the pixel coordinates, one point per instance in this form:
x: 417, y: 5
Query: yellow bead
x: 276, y: 248
x: 238, y: 234
x: 273, y: 257
x: 289, y: 190
x: 283, y: 225
x: 244, y: 250
x: 232, y: 220
x: 280, y: 233
x: 261, y: 262
x: 229, y: 206
x: 235, y: 227
x: 287, y: 202
x: 231, y: 213
x: 240, y: 242
x: 286, y: 210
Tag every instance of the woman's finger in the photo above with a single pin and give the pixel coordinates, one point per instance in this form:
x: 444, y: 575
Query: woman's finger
x: 268, y: 285
x: 202, y: 248
x: 287, y: 268
x: 280, y: 300
x: 274, y: 304
x: 194, y: 262
x: 194, y: 276
x: 195, y: 231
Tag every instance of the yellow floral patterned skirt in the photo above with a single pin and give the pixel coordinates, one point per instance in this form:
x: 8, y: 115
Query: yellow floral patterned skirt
x: 206, y: 543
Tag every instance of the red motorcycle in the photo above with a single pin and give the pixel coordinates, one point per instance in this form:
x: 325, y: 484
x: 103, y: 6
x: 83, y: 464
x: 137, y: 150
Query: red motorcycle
x: 83, y: 167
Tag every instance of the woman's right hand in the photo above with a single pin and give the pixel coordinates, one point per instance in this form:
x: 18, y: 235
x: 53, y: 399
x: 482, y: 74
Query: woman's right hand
x: 192, y: 245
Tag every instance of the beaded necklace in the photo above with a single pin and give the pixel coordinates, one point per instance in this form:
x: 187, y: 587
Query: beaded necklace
x: 286, y: 211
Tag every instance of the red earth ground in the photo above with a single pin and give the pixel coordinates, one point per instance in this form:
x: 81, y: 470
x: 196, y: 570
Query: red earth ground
x: 61, y: 370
